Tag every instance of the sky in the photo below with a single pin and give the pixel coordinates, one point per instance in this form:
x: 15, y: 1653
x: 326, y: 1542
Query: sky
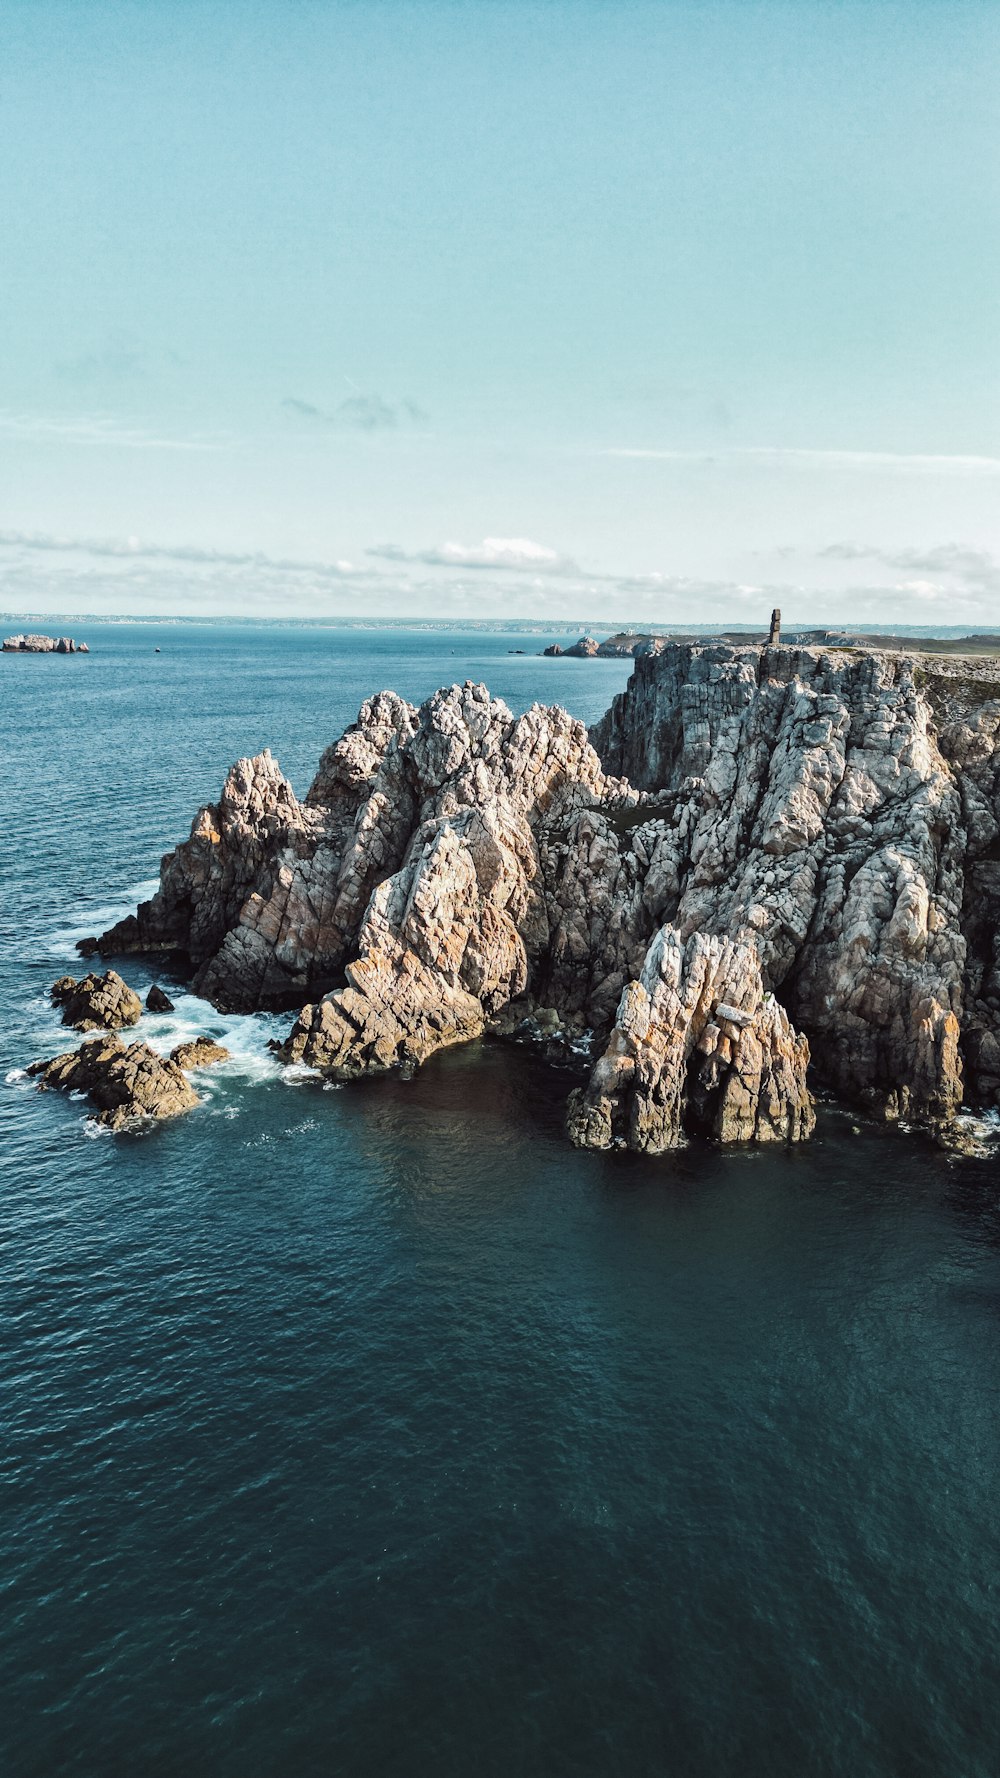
x: 582, y: 310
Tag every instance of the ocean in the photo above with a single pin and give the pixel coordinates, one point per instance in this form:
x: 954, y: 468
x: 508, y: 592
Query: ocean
x: 375, y: 1430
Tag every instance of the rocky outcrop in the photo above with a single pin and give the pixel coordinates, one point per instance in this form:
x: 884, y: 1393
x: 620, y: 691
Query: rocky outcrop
x: 124, y: 1083
x: 756, y: 847
x: 201, y: 1052
x: 96, y: 1002
x: 810, y: 803
x: 697, y: 1045
x: 43, y: 645
x: 158, y: 1001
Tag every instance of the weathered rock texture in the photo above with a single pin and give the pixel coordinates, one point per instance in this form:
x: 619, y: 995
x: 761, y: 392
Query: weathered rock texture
x: 697, y: 1044
x: 124, y: 1083
x: 96, y: 1002
x: 754, y: 843
x: 201, y: 1052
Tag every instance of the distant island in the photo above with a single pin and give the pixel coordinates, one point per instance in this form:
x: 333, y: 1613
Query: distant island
x: 43, y: 645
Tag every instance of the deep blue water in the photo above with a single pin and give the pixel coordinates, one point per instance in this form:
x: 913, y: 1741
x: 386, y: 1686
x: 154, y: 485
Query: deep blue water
x: 377, y: 1431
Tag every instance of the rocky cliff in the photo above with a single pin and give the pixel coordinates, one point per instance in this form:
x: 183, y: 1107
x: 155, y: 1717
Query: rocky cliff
x: 757, y: 852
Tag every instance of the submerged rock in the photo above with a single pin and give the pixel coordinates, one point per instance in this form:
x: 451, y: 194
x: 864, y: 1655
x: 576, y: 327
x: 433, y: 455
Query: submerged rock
x: 124, y: 1082
x: 201, y: 1052
x: 97, y: 1002
x: 756, y: 846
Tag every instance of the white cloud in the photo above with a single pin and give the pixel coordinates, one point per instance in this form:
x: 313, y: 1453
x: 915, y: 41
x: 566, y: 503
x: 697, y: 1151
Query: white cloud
x: 977, y: 568
x: 96, y: 430
x: 782, y: 456
x: 493, y: 552
x: 132, y: 549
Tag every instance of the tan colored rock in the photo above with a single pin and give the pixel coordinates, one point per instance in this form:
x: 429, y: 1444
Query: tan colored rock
x: 201, y: 1052
x: 96, y: 1002
x: 698, y: 1045
x: 124, y: 1083
x: 836, y: 813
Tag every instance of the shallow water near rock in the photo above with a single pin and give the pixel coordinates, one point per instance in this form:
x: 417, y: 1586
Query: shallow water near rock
x: 375, y: 1429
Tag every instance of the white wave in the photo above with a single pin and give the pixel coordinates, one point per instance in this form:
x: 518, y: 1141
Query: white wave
x: 13, y: 1075
x: 298, y: 1073
x: 245, y: 1035
x: 80, y: 923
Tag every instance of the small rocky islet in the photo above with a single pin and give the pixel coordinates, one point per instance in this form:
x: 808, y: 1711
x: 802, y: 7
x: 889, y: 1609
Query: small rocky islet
x: 124, y: 1082
x: 764, y: 865
x: 43, y: 645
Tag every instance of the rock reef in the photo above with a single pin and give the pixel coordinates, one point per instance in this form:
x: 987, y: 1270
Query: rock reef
x: 759, y: 853
x: 125, y: 1083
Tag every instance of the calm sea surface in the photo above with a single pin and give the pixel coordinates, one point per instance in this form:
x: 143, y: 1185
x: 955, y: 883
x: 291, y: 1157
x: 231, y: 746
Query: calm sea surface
x: 375, y: 1431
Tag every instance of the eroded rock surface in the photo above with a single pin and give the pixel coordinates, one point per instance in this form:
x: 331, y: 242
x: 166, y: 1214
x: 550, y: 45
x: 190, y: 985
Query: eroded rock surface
x: 806, y: 837
x: 697, y: 1045
x: 123, y: 1082
x: 201, y: 1052
x: 96, y: 1002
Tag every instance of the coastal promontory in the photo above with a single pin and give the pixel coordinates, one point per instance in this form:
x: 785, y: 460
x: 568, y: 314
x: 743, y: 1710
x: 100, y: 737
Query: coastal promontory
x: 764, y: 868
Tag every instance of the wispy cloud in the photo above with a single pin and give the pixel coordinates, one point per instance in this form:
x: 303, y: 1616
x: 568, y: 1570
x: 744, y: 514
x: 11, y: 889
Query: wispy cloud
x: 364, y: 413
x: 121, y: 358
x: 494, y: 552
x: 975, y: 569
x: 97, y: 431
x: 789, y: 457
x: 133, y: 549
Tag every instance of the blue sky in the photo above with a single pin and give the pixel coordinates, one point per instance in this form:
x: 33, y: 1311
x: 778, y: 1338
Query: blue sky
x: 621, y: 311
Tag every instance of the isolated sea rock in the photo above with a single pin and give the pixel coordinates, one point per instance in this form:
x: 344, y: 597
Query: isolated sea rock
x: 158, y: 1001
x: 43, y: 645
x: 811, y: 834
x: 123, y: 1082
x: 96, y: 1002
x: 200, y: 1052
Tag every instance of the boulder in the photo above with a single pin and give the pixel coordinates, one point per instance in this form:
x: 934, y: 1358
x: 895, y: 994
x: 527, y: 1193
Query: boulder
x: 97, y: 1002
x: 201, y: 1052
x: 158, y: 1001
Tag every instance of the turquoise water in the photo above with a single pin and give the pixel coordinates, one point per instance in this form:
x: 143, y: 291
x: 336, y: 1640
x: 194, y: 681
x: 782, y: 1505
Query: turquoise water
x: 377, y: 1431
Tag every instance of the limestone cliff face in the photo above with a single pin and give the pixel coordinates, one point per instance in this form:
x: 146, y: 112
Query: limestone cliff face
x: 754, y: 848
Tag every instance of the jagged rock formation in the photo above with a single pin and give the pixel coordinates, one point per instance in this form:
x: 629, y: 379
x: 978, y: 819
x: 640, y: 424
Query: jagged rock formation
x: 697, y: 1045
x: 201, y: 1052
x: 158, y: 1001
x: 755, y: 846
x: 124, y: 1083
x: 43, y: 645
x: 809, y: 802
x: 96, y: 1002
